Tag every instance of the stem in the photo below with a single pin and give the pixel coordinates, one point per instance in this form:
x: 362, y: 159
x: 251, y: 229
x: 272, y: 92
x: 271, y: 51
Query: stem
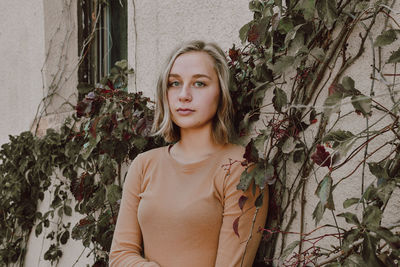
x: 250, y: 235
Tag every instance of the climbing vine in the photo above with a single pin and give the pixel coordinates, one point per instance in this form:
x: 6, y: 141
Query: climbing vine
x: 296, y: 98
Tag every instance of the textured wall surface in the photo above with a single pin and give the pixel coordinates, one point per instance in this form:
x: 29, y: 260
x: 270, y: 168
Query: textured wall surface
x: 22, y: 54
x: 159, y: 26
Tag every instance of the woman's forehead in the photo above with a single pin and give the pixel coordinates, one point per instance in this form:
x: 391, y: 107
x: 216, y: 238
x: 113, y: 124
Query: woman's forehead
x: 193, y: 63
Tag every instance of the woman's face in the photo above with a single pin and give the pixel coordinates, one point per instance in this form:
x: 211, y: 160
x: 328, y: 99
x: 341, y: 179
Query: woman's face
x: 193, y: 90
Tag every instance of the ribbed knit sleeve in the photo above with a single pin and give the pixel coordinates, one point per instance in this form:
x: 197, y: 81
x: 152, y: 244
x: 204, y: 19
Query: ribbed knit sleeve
x: 232, y: 247
x: 126, y: 248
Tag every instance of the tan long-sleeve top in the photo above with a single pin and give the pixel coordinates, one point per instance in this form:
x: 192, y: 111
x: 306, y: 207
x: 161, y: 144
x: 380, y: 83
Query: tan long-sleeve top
x: 174, y: 214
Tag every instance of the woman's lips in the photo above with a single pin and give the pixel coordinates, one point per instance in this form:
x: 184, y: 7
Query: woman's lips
x: 184, y: 111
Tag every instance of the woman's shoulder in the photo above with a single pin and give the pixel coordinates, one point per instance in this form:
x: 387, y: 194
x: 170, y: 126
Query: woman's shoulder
x: 234, y: 152
x: 152, y: 154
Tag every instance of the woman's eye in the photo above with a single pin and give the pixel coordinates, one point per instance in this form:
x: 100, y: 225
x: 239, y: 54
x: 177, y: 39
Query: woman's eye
x: 199, y: 84
x: 173, y: 84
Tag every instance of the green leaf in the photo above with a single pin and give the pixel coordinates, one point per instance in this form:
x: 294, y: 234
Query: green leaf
x: 259, y: 141
x: 289, y: 249
x: 259, y: 201
x: 245, y: 181
x: 327, y: 12
x: 338, y: 137
x: 335, y: 264
x: 386, y: 38
x: 350, y: 218
x: 280, y: 99
x: 260, y: 174
x: 332, y: 103
x: 348, y: 83
x: 307, y: 7
x: 67, y: 210
x: 318, y: 212
x: 350, y: 202
x: 370, y: 192
x: 318, y: 53
x: 385, y: 190
x: 378, y: 170
x: 292, y: 34
x: 282, y: 64
x: 114, y: 193
x: 243, y: 32
x: 372, y: 216
x: 122, y: 64
x: 289, y: 145
x: 64, y: 237
x: 392, y: 239
x: 369, y: 252
x: 285, y: 25
x: 324, y: 191
x: 349, y: 238
x: 362, y: 104
x: 394, y: 57
x: 354, y: 260
x: 39, y: 229
x: 84, y: 88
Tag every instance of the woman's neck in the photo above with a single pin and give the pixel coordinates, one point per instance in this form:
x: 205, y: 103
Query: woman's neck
x: 194, y: 146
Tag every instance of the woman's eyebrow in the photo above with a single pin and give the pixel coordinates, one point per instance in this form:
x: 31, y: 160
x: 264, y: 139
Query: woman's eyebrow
x: 174, y: 75
x: 202, y: 75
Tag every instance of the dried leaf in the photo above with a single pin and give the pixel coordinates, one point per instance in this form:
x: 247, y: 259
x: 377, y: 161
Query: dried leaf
x: 236, y: 226
x: 242, y: 201
x: 321, y: 157
x: 251, y: 154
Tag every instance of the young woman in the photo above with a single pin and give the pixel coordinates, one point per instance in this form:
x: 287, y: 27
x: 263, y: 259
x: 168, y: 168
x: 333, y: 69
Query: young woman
x: 180, y: 202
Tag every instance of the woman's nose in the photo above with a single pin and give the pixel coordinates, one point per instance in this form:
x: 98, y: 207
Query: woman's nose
x: 185, y: 94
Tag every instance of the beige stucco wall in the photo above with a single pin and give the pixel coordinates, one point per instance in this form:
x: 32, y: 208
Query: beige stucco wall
x: 22, y: 54
x: 160, y: 25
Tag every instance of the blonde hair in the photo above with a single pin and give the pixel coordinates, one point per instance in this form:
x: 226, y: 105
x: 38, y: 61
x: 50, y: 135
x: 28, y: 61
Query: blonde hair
x: 221, y: 127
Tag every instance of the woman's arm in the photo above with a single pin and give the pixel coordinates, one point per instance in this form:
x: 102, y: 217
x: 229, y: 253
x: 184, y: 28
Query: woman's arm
x: 126, y: 246
x: 232, y: 247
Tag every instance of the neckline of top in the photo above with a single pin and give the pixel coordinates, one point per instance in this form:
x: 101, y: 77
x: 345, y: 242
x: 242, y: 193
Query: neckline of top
x: 195, y: 164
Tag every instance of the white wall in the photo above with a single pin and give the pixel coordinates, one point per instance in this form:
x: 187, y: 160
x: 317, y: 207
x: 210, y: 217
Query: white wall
x: 22, y: 55
x: 162, y: 25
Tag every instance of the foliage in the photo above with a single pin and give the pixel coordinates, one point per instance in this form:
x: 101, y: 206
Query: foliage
x: 295, y: 53
x: 85, y: 162
x: 291, y: 52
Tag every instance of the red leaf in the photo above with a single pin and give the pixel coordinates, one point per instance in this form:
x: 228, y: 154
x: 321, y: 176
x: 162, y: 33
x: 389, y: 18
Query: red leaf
x: 253, y: 34
x: 236, y: 226
x: 251, y: 153
x: 110, y: 85
x: 93, y: 127
x: 314, y: 121
x: 242, y: 201
x: 321, y: 157
x: 233, y: 54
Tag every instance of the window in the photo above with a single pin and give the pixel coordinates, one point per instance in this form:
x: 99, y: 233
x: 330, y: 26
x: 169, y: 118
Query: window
x: 102, y: 39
